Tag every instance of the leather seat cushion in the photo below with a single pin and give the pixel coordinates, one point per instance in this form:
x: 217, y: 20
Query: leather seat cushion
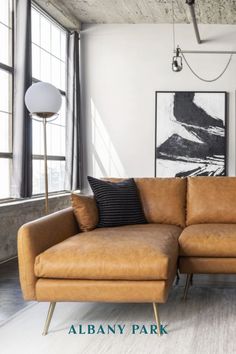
x: 134, y: 252
x: 208, y: 240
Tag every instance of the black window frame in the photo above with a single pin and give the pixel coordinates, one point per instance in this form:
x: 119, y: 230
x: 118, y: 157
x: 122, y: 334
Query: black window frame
x: 10, y: 70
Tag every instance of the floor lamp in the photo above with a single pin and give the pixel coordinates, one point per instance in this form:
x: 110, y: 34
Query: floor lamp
x: 43, y: 101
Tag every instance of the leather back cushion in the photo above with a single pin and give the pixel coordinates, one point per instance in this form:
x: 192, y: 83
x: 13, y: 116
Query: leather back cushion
x: 163, y: 199
x: 211, y: 200
x: 85, y: 211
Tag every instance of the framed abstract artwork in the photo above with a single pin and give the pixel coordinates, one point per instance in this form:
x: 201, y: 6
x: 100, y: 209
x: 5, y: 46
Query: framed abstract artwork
x: 190, y: 133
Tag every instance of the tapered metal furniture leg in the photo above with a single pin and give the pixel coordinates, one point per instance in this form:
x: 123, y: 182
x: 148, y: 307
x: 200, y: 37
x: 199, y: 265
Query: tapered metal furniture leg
x: 157, y: 318
x: 188, y: 279
x: 49, y: 317
x: 191, y: 280
x: 177, y: 278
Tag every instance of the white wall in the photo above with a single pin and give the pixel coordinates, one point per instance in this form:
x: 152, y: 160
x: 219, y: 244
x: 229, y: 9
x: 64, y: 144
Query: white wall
x: 122, y: 66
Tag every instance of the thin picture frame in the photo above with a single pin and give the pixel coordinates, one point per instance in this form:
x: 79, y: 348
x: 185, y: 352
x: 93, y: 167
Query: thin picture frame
x: 225, y: 151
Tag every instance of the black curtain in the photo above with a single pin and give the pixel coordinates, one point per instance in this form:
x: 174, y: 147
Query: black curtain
x: 73, y: 141
x: 22, y: 129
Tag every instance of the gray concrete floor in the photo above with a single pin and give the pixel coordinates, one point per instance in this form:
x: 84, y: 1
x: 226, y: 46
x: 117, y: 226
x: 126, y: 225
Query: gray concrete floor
x: 11, y: 300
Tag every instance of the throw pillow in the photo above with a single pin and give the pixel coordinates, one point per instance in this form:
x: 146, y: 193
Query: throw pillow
x: 118, y: 203
x: 85, y: 210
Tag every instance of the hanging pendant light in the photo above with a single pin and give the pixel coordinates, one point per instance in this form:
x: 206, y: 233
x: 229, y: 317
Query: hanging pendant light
x: 177, y: 63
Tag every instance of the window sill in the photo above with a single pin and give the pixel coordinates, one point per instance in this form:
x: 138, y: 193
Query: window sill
x: 40, y: 197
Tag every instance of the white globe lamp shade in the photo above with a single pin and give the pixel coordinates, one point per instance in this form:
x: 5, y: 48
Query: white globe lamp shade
x: 42, y: 99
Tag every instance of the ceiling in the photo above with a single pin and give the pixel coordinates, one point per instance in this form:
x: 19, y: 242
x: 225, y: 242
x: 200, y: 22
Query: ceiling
x: 73, y: 12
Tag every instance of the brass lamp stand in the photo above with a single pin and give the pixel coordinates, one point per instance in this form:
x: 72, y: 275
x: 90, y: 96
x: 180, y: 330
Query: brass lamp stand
x: 44, y: 117
x: 45, y: 163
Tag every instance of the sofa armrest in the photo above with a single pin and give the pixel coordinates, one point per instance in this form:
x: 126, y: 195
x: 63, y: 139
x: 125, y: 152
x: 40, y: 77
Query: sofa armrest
x: 37, y: 236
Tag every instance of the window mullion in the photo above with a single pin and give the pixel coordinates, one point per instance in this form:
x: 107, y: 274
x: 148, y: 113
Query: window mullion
x: 6, y: 68
x: 45, y: 42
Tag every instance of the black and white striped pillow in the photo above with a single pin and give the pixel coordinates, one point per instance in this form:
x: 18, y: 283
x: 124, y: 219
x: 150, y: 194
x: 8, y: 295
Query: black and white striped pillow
x: 118, y: 203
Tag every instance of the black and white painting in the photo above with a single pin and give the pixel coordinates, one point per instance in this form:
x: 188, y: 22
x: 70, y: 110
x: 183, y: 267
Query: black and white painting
x: 190, y: 134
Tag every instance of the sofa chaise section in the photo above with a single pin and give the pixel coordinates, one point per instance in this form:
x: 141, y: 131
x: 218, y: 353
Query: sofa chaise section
x: 128, y: 256
x: 125, y: 264
x: 133, y: 263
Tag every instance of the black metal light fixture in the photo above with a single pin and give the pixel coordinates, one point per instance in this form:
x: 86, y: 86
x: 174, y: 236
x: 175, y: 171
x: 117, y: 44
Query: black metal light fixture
x: 191, y: 4
x: 179, y: 54
x: 177, y: 63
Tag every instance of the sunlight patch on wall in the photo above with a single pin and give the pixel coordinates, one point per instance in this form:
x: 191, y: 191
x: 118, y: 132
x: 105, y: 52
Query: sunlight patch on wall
x: 106, y: 161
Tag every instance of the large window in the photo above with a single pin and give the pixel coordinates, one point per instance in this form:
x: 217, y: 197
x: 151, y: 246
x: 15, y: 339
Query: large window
x: 6, y: 72
x: 48, y: 65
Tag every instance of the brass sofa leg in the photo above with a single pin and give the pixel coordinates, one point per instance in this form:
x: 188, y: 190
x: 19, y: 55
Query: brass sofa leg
x: 188, y: 280
x: 157, y: 318
x: 49, y: 317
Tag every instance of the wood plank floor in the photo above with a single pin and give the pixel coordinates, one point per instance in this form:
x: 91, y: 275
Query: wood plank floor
x: 11, y: 300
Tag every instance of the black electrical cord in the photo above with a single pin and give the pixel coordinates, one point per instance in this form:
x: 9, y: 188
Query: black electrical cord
x: 201, y: 78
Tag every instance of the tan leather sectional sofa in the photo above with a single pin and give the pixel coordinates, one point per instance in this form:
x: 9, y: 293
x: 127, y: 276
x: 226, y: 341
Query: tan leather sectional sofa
x: 191, y: 226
